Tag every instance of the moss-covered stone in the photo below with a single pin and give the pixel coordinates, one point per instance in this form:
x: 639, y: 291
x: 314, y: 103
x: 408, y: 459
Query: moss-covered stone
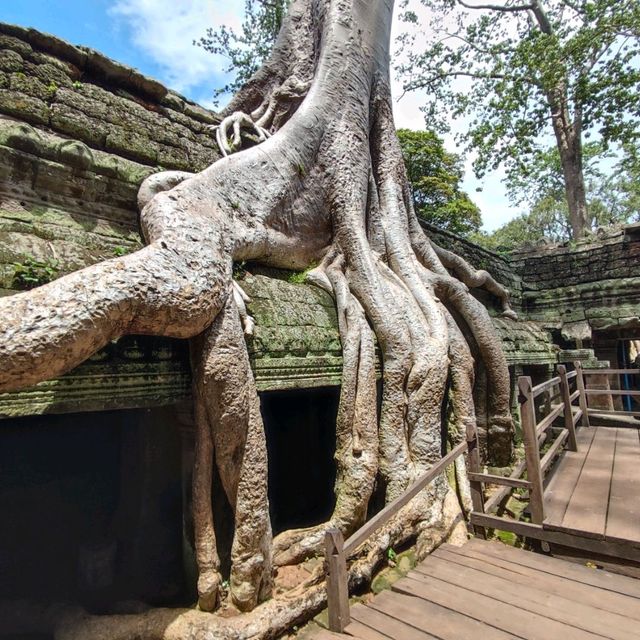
x: 23, y: 106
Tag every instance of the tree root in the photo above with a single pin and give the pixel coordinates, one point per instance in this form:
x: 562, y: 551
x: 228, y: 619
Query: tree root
x: 329, y: 187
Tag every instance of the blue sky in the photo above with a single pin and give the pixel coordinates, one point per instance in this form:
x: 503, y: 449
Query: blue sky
x: 155, y: 36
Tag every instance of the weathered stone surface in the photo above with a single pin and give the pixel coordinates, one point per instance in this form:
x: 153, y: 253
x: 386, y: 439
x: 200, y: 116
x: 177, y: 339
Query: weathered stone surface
x: 79, y: 133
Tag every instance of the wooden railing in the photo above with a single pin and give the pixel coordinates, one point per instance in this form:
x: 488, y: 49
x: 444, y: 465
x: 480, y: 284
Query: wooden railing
x: 562, y: 399
x: 537, y: 432
x: 337, y: 550
x: 611, y: 393
x: 541, y: 408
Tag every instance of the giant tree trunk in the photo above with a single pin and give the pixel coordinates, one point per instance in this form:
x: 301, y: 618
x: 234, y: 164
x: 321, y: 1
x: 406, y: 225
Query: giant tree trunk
x: 571, y: 158
x: 568, y: 134
x: 327, y: 188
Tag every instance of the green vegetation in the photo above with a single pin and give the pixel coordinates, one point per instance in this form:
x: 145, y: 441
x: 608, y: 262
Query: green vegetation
x: 435, y: 176
x: 32, y: 273
x: 522, y: 72
x: 613, y: 198
x: 248, y: 48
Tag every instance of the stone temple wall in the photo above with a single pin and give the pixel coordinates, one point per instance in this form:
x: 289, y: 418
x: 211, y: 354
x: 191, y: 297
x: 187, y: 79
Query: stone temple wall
x: 593, y: 286
x: 78, y: 134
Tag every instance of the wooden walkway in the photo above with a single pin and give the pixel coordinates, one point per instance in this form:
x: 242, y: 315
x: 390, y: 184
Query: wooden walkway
x: 489, y: 591
x: 595, y: 491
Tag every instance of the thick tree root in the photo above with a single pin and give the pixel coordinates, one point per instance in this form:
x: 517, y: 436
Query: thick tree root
x: 327, y: 186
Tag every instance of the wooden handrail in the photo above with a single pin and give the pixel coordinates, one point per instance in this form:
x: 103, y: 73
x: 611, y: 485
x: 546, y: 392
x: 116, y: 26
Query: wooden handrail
x: 337, y: 551
x: 614, y: 412
x: 531, y: 449
x: 582, y: 396
x: 612, y: 392
x: 606, y: 372
x: 567, y: 400
x: 383, y: 516
x: 543, y: 386
x: 547, y: 421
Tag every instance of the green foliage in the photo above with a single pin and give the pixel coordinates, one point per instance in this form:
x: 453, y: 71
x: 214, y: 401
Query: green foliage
x: 119, y: 251
x: 391, y: 555
x: 52, y: 87
x: 248, y: 48
x: 297, y: 277
x: 435, y: 176
x: 613, y: 197
x: 239, y: 270
x: 32, y: 273
x: 77, y: 84
x: 502, y: 66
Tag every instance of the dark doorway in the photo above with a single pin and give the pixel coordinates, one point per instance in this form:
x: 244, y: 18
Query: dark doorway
x: 300, y: 430
x: 91, y: 508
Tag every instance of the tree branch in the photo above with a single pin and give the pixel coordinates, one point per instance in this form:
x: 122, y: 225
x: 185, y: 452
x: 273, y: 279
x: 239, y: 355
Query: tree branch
x: 497, y: 7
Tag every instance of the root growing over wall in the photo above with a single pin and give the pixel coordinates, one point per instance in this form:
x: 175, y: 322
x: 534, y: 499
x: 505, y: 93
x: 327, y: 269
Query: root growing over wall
x: 326, y: 186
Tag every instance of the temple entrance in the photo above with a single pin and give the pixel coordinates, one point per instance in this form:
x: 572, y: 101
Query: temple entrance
x: 91, y: 508
x: 300, y: 430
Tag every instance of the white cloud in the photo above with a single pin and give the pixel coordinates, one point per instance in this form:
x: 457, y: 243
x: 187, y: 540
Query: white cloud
x: 165, y: 30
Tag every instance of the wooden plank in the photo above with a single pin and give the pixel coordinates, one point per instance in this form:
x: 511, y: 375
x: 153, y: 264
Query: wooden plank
x: 603, y: 580
x: 387, y: 623
x: 337, y: 580
x: 560, y: 488
x: 393, y: 507
x: 440, y: 620
x: 554, y: 450
x: 480, y: 607
x: 519, y: 591
x: 489, y: 478
x: 623, y: 517
x: 623, y: 551
x: 543, y: 386
x: 587, y: 509
x: 563, y: 586
x: 323, y: 634
x: 362, y: 632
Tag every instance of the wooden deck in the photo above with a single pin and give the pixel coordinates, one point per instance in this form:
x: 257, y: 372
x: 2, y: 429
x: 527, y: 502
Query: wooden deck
x: 594, y: 492
x: 489, y: 591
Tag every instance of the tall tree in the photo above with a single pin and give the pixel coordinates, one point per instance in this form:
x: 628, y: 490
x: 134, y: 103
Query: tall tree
x: 612, y: 194
x: 434, y: 176
x: 520, y: 69
x: 325, y: 187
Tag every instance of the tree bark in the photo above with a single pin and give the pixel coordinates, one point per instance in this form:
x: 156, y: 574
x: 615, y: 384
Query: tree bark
x: 327, y: 188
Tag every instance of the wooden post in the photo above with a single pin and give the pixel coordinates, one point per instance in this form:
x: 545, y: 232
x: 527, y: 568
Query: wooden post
x: 583, y: 396
x: 477, y: 494
x: 531, y: 449
x: 566, y: 400
x: 337, y: 581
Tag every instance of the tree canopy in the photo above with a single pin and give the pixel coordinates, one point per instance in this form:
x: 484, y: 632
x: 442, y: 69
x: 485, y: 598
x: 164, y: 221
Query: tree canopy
x: 522, y: 70
x: 434, y: 176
